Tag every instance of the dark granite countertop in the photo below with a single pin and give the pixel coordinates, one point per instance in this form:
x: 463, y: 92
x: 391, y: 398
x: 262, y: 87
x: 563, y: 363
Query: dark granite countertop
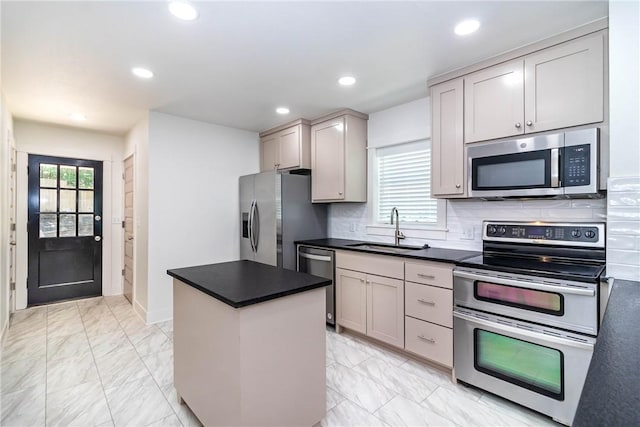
x: 611, y: 393
x: 243, y: 283
x: 430, y: 254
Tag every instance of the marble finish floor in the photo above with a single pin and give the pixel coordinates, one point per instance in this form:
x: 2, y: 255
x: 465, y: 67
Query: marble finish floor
x: 94, y: 362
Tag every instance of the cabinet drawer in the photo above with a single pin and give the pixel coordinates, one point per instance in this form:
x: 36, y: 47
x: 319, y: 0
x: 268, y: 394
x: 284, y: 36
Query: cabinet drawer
x: 380, y: 265
x: 430, y: 341
x: 429, y: 303
x: 430, y: 273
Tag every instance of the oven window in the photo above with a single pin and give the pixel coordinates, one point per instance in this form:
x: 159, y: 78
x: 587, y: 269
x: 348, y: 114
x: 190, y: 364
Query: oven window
x: 532, y: 366
x: 513, y: 296
x: 512, y: 171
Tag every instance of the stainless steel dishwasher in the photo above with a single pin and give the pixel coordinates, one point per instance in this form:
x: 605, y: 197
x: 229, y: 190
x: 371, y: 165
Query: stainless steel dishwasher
x: 320, y: 262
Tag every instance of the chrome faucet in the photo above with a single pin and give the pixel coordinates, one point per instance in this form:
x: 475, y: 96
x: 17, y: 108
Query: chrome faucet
x: 398, y: 234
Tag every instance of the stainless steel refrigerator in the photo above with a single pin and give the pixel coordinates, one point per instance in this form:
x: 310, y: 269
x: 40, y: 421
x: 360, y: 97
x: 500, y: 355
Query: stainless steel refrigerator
x: 275, y: 211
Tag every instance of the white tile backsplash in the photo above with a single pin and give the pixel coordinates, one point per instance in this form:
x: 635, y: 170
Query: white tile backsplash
x: 623, y: 228
x: 349, y: 220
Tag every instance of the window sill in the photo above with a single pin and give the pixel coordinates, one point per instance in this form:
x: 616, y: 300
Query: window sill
x: 412, y: 232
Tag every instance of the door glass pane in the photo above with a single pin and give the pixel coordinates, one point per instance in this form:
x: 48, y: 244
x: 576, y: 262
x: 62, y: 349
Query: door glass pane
x: 48, y: 225
x: 67, y: 200
x: 67, y: 176
x: 67, y: 225
x: 528, y: 173
x: 48, y: 175
x: 529, y: 299
x: 48, y: 200
x: 85, y: 203
x: 534, y: 366
x: 85, y: 225
x: 86, y: 178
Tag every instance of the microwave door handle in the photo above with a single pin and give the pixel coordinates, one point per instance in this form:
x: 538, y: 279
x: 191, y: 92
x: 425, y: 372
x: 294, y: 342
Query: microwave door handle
x: 555, y: 167
x: 522, y: 333
x: 527, y: 285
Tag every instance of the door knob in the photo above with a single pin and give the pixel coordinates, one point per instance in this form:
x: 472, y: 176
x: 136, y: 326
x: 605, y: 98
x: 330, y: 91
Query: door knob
x: 130, y: 238
x: 97, y: 238
x: 98, y: 217
x: 12, y: 243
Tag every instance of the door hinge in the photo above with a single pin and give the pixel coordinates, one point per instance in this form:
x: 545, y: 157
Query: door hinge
x: 12, y: 286
x: 27, y: 170
x: 123, y: 271
x: 122, y: 224
x: 12, y: 227
x: 13, y: 167
x: 123, y: 175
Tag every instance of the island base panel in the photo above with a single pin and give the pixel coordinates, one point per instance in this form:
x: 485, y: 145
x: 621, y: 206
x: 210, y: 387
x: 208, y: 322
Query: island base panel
x: 262, y: 364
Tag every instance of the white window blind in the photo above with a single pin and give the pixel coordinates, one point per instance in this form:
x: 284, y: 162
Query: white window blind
x: 404, y: 182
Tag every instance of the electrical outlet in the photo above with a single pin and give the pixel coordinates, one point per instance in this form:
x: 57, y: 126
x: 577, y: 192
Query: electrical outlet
x: 468, y: 232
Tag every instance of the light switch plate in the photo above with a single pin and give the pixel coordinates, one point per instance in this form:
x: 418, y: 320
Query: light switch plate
x: 468, y: 232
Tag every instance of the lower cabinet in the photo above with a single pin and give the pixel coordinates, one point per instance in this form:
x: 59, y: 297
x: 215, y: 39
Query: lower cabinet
x: 371, y: 304
x: 405, y: 303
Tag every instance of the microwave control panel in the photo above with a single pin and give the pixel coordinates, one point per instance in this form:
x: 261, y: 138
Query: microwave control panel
x: 576, y: 170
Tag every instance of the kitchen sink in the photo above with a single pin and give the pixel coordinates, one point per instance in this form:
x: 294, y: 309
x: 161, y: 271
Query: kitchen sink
x: 386, y: 248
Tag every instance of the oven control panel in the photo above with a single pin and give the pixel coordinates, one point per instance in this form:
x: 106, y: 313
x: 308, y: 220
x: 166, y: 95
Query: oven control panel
x: 537, y: 232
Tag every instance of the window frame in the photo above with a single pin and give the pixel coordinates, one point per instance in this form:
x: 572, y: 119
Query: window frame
x: 436, y: 231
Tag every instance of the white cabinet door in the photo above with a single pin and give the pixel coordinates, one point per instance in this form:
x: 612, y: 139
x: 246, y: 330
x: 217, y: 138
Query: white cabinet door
x: 289, y: 148
x: 327, y: 158
x: 385, y: 309
x: 564, y: 85
x: 447, y: 145
x: 351, y: 300
x: 494, y: 102
x: 269, y: 153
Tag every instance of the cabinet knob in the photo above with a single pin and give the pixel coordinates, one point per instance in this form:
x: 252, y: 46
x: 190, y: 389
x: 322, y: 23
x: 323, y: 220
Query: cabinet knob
x: 518, y: 125
x: 529, y: 123
x: 362, y: 280
x: 457, y: 185
x: 340, y: 193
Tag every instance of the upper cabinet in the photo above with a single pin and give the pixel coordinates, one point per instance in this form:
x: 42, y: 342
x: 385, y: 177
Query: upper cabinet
x: 286, y: 147
x: 447, y: 145
x: 557, y: 87
x: 339, y: 158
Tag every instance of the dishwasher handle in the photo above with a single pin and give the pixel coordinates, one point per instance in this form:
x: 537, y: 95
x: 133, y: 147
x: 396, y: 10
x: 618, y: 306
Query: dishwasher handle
x: 315, y: 257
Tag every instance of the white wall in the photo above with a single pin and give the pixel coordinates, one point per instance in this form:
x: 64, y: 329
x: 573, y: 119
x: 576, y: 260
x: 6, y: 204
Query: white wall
x: 412, y: 121
x: 46, y: 139
x: 623, y: 242
x: 193, y: 198
x: 6, y: 129
x: 137, y: 145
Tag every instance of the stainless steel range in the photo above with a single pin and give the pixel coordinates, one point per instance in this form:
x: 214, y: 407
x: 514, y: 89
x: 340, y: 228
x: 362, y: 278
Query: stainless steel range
x: 526, y: 312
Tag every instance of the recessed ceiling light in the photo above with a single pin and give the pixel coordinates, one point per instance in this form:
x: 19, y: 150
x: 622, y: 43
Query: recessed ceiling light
x: 183, y: 10
x: 467, y: 26
x: 77, y: 117
x: 142, y: 72
x: 347, y: 80
x: 282, y: 110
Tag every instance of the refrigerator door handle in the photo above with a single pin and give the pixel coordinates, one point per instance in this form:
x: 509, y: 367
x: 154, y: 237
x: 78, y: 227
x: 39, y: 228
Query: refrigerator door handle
x: 255, y: 222
x: 253, y: 249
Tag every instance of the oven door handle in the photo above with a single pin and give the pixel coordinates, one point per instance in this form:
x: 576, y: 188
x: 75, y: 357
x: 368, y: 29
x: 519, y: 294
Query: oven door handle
x: 522, y: 333
x: 527, y: 285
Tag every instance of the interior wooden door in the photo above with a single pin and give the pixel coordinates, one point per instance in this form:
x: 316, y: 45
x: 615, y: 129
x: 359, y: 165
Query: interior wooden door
x: 128, y: 235
x: 65, y: 229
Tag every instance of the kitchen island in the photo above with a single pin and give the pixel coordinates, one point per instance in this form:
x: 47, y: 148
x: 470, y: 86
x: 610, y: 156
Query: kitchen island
x: 249, y: 344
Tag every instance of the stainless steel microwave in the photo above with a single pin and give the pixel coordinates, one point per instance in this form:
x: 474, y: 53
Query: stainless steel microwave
x: 561, y: 165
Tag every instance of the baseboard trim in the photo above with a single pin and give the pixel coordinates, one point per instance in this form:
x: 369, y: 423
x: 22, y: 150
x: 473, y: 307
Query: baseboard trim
x: 140, y: 310
x: 159, y: 316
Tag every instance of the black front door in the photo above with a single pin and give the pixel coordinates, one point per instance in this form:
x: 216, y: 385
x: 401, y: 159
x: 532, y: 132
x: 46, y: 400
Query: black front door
x: 65, y: 229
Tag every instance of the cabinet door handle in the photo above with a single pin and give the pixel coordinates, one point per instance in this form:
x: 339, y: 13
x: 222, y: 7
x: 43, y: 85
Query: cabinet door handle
x: 457, y: 185
x: 340, y: 193
x: 424, y: 301
x: 361, y: 280
x: 429, y: 340
x: 426, y: 276
x: 529, y: 123
x: 518, y: 125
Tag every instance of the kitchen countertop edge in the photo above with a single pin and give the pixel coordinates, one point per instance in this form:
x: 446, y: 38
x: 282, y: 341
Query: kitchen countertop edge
x: 611, y: 393
x: 443, y: 254
x: 318, y: 282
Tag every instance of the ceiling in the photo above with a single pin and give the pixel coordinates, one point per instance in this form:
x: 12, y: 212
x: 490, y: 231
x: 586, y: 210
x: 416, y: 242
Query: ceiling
x: 240, y: 60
